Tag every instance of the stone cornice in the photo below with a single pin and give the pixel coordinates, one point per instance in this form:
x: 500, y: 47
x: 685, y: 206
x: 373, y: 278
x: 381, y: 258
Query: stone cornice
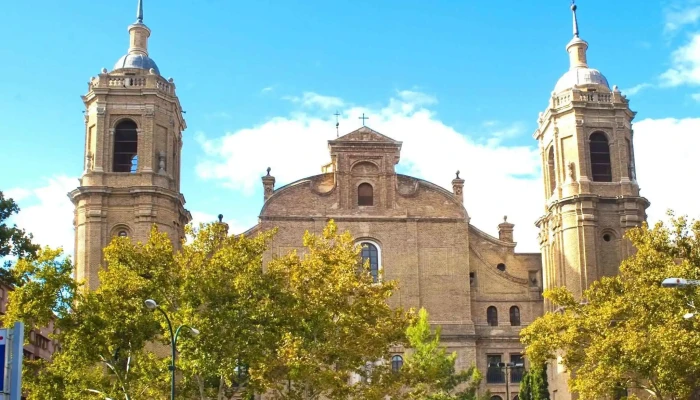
x: 134, y: 190
x: 360, y: 218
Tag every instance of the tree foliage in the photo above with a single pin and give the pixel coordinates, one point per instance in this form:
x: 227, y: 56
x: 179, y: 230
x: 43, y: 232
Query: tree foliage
x: 630, y: 332
x: 296, y: 329
x: 534, y: 385
x: 429, y: 371
x: 14, y: 242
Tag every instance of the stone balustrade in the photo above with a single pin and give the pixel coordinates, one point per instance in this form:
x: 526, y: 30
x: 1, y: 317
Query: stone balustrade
x: 132, y: 82
x: 565, y: 98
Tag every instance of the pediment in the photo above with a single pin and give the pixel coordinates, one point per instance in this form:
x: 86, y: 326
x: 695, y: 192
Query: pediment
x: 366, y: 134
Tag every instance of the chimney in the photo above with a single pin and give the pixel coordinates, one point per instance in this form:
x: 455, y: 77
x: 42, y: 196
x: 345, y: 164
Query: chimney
x: 268, y: 184
x: 505, y: 230
x: 457, y: 188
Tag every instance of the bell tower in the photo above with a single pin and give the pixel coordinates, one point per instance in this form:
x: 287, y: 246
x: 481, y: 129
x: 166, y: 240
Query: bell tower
x: 591, y: 193
x: 133, y: 142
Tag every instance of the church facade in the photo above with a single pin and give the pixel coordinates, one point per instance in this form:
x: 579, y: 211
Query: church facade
x: 476, y: 286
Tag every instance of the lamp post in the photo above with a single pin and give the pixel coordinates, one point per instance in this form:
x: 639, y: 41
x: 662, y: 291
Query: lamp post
x: 507, y: 366
x: 674, y: 283
x: 152, y: 305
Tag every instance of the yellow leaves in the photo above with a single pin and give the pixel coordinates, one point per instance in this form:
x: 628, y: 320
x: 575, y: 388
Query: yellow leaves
x: 307, y: 317
x: 630, y: 330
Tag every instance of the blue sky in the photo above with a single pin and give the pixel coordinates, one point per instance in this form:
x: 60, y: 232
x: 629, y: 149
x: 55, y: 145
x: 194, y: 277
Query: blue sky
x: 460, y: 82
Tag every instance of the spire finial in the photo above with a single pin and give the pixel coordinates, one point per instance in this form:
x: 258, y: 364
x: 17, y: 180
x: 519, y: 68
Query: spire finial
x: 139, y: 12
x: 573, y: 10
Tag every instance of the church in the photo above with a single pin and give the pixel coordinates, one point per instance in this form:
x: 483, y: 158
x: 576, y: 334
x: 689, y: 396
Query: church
x: 476, y: 286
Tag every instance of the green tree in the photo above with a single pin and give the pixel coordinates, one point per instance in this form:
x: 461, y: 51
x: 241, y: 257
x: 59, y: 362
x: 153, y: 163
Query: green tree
x: 526, y: 391
x: 630, y: 332
x: 336, y: 320
x: 295, y: 329
x: 534, y: 385
x: 540, y: 386
x: 14, y: 242
x: 429, y: 372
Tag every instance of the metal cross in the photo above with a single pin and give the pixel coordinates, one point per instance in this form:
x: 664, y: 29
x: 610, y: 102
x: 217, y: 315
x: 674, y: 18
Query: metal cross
x: 337, y: 124
x: 363, y: 118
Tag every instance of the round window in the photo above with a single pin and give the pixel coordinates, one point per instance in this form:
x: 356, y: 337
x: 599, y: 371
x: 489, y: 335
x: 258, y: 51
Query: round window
x: 122, y: 233
x: 607, y: 237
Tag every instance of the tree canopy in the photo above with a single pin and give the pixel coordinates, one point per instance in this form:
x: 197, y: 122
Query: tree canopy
x: 295, y: 329
x: 630, y: 333
x: 14, y: 242
x: 429, y: 370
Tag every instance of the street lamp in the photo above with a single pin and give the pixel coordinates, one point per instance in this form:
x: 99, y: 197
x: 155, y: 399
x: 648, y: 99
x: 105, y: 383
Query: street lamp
x: 674, y: 283
x: 679, y: 283
x: 507, y: 367
x: 152, y: 305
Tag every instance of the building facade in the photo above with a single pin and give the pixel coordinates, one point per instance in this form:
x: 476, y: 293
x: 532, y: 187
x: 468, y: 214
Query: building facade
x: 476, y: 286
x: 40, y: 345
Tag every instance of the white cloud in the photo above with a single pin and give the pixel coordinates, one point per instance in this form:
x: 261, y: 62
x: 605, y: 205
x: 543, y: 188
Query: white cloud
x: 499, y: 179
x: 666, y: 161
x: 199, y: 217
x: 267, y: 90
x: 685, y: 64
x: 636, y: 89
x: 315, y: 100
x: 46, y: 212
x: 417, y: 98
x: 695, y: 96
x: 679, y: 16
x: 17, y: 194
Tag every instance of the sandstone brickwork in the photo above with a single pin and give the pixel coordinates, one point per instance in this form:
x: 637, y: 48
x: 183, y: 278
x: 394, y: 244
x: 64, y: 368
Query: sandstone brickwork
x: 110, y: 203
x: 425, y: 241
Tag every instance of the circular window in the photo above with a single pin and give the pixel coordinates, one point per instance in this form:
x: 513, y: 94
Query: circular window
x: 501, y: 267
x: 122, y: 233
x: 607, y: 237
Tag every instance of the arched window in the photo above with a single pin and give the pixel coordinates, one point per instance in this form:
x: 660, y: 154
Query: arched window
x: 371, y: 252
x: 600, y: 158
x: 125, y: 147
x: 492, y: 316
x: 396, y: 363
x: 552, y: 173
x: 365, y: 195
x: 514, y: 316
x: 123, y: 233
x: 496, y: 398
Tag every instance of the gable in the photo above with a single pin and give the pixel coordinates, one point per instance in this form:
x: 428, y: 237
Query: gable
x: 365, y: 134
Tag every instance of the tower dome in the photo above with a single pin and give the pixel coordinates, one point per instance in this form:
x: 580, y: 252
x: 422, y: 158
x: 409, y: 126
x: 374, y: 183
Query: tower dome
x: 136, y: 61
x: 137, y: 55
x: 580, y: 77
x: 579, y: 74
